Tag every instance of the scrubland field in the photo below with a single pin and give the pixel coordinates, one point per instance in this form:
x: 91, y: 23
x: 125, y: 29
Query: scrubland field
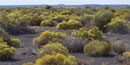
x: 64, y: 36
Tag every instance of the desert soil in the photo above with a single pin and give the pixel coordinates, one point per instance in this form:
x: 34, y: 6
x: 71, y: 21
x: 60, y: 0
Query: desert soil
x: 28, y: 53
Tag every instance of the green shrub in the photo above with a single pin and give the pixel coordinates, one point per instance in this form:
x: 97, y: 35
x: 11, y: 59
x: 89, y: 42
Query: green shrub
x: 6, y: 52
x: 48, y: 36
x: 71, y: 24
x: 102, y: 18
x: 92, y: 34
x: 48, y: 23
x: 51, y: 48
x: 97, y: 48
x: 57, y: 59
x: 118, y: 25
x: 16, y: 42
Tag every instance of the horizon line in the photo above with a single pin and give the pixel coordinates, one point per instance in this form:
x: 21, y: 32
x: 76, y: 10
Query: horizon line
x: 65, y: 4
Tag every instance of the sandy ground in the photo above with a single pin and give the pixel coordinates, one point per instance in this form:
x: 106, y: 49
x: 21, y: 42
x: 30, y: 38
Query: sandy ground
x: 28, y: 53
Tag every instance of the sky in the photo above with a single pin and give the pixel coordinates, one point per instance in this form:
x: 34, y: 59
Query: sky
x: 67, y: 2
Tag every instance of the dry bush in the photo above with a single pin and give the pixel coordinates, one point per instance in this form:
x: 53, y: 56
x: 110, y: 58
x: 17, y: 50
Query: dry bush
x: 82, y: 62
x: 74, y: 44
x: 19, y: 28
x: 117, y: 46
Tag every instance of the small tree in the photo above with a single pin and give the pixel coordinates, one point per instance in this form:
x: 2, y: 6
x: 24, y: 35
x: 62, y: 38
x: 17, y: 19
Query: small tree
x: 102, y: 18
x: 48, y: 7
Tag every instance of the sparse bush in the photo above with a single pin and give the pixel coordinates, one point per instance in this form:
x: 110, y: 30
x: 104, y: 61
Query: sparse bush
x: 74, y: 44
x: 118, y: 25
x: 16, y: 42
x: 51, y: 48
x: 71, y: 24
x: 117, y: 46
x: 97, y: 48
x: 48, y: 23
x: 57, y: 59
x: 48, y: 36
x: 6, y: 52
x: 82, y: 62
